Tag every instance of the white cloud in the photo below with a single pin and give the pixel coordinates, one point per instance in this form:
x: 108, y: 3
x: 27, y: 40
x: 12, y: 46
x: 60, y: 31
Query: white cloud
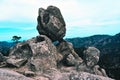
x: 71, y: 9
x: 75, y: 12
x: 88, y: 22
x: 107, y: 23
x: 13, y: 10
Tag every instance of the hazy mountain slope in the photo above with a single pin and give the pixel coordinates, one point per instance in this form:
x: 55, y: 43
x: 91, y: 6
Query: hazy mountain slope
x: 110, y: 45
x: 87, y: 41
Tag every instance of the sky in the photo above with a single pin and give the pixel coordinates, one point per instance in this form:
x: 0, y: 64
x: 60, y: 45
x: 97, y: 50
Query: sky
x: 83, y: 17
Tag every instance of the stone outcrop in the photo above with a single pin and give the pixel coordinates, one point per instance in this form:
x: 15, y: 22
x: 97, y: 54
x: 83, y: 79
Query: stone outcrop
x: 40, y: 59
x: 76, y: 76
x: 6, y: 74
x: 51, y: 23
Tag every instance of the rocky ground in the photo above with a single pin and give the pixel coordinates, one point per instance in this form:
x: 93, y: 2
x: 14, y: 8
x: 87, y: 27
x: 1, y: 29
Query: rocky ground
x: 39, y: 59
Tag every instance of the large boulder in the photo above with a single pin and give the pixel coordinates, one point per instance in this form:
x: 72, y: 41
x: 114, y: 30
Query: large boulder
x: 39, y: 52
x: 70, y: 57
x: 44, y: 54
x: 51, y: 23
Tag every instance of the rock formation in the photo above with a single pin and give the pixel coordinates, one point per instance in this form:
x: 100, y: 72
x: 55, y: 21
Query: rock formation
x: 51, y: 23
x: 40, y: 59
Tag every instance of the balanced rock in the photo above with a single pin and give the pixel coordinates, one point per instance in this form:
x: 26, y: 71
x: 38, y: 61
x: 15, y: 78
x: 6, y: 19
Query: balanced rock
x: 51, y: 23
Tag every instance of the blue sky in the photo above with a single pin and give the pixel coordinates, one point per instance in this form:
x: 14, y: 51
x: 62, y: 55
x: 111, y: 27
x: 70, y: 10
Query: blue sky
x: 83, y: 17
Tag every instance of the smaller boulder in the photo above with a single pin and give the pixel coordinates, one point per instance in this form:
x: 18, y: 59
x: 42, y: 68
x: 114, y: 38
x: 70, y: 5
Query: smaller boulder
x: 90, y: 60
x: 91, y: 56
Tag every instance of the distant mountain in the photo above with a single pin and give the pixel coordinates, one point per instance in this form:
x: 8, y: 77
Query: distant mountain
x: 87, y: 41
x: 110, y: 45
